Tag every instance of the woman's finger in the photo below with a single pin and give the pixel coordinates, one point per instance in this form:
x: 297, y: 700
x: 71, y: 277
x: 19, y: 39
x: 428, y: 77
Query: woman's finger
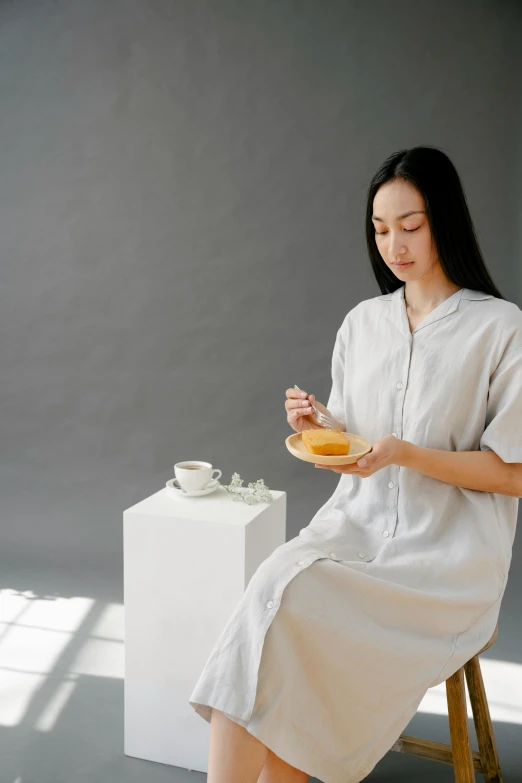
x: 300, y: 405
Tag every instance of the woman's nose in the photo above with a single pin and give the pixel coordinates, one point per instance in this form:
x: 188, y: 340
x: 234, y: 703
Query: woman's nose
x: 396, y: 246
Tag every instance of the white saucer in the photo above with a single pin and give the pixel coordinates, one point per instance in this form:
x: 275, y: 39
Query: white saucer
x: 175, y: 489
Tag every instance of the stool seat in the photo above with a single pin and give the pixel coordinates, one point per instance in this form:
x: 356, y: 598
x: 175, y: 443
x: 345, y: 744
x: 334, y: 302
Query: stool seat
x: 459, y: 753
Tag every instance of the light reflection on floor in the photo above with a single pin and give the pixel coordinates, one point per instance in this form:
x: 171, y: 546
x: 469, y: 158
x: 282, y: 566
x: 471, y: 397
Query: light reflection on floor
x: 36, y: 634
x: 36, y: 631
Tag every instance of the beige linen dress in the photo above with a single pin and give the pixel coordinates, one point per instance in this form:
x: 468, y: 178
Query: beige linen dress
x: 398, y: 578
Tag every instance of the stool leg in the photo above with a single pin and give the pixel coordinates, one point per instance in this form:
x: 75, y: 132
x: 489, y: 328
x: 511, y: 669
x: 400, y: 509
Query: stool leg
x: 459, y: 732
x: 485, y: 737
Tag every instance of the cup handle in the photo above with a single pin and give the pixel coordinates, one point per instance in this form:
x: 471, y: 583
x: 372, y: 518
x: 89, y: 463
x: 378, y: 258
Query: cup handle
x: 215, y: 478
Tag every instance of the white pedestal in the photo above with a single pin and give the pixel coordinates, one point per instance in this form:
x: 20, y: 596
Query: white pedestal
x: 187, y: 562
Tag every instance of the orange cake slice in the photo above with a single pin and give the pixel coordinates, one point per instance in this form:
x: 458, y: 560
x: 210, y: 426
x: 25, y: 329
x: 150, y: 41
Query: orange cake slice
x: 326, y: 442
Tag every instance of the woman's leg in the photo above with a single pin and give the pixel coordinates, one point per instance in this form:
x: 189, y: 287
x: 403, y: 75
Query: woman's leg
x: 235, y: 755
x: 278, y: 771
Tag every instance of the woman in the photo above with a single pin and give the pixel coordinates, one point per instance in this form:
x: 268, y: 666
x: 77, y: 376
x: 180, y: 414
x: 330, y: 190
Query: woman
x: 397, y: 580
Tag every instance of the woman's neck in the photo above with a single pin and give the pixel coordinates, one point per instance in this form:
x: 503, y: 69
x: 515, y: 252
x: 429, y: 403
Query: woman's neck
x: 422, y: 298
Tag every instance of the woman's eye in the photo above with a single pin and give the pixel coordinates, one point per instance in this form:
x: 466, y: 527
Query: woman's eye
x: 408, y: 230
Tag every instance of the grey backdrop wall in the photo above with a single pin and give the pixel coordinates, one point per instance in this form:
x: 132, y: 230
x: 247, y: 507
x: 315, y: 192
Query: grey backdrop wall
x: 182, y: 196
x: 182, y: 193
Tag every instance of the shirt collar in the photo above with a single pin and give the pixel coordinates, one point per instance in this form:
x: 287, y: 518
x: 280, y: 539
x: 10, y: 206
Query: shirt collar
x: 445, y: 308
x: 467, y: 293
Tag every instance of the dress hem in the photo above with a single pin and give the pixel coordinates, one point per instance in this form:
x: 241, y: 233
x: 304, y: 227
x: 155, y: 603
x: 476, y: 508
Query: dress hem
x: 317, y: 764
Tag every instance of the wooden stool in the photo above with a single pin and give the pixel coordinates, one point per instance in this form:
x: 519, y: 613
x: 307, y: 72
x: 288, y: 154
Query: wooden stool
x: 459, y: 753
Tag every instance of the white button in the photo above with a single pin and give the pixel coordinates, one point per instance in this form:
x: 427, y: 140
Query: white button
x: 305, y: 562
x: 399, y: 385
x: 361, y: 555
x: 332, y: 554
x: 395, y: 435
x: 391, y: 484
x: 270, y: 604
x: 386, y: 534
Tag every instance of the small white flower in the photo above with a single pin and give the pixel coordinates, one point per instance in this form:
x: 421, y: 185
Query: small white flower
x: 257, y: 491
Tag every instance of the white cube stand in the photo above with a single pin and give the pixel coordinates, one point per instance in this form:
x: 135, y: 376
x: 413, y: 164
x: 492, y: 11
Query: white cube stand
x: 187, y: 562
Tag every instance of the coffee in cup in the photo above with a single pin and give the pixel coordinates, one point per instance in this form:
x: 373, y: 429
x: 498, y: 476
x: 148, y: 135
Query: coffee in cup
x: 193, y: 475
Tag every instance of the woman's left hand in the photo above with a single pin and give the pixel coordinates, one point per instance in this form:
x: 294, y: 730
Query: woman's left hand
x: 386, y: 451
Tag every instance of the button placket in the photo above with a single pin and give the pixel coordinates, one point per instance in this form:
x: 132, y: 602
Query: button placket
x: 399, y: 418
x: 303, y: 562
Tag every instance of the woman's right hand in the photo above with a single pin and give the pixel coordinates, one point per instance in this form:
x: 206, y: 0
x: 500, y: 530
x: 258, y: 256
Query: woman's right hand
x: 299, y: 414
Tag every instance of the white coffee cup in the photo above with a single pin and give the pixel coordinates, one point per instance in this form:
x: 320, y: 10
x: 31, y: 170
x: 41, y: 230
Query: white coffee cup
x: 192, y: 474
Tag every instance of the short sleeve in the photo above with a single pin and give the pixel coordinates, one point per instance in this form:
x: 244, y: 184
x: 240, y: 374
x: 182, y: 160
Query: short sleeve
x: 336, y: 399
x: 503, y: 432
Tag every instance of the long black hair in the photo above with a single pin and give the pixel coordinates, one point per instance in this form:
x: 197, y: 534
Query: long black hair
x: 435, y: 177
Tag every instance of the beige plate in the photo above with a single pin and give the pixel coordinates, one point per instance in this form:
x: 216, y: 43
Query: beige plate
x: 358, y: 447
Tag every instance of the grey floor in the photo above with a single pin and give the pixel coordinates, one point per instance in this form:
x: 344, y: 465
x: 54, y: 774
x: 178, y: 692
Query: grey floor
x: 61, y: 669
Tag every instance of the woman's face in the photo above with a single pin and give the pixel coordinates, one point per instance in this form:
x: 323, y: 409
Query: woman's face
x: 402, y: 231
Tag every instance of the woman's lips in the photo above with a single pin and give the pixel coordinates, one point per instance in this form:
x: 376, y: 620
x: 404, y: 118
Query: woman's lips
x: 403, y: 266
